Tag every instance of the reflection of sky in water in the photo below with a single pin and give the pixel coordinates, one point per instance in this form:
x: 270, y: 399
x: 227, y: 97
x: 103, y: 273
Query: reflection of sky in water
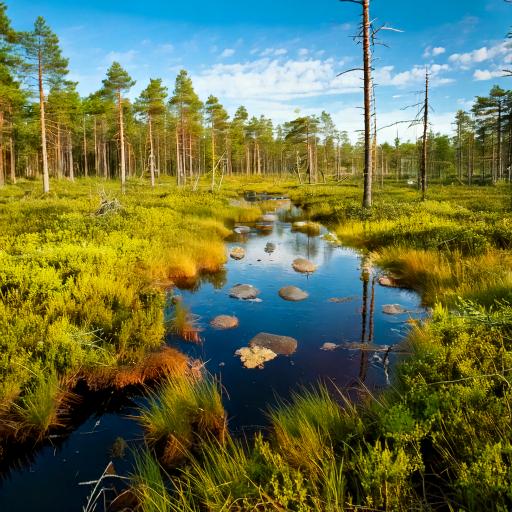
x: 50, y: 482
x: 312, y: 322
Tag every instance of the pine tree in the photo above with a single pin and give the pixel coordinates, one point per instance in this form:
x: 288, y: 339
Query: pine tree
x: 151, y: 103
x: 218, y: 119
x: 11, y: 96
x: 63, y: 112
x: 187, y: 108
x: 117, y: 82
x: 44, y: 62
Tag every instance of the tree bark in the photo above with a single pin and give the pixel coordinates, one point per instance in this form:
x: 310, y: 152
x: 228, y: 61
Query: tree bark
x: 46, y: 174
x: 121, y: 138
x: 86, y: 170
x: 70, y: 157
x: 424, y: 142
x: 367, y: 65
x: 151, y: 152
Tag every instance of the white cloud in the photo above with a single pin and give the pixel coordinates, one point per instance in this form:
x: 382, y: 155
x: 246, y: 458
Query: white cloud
x: 273, y: 52
x: 285, y: 79
x: 433, y: 52
x: 466, y: 60
x: 228, y: 52
x: 486, y: 74
x: 122, y: 57
x: 303, y: 52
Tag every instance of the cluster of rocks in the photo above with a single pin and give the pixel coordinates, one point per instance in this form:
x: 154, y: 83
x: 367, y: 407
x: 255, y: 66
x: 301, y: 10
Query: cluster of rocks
x: 264, y: 347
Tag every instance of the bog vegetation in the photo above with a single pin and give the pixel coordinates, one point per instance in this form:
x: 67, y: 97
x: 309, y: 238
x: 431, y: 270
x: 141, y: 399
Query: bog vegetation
x: 82, y: 281
x: 439, y: 437
x: 84, y: 267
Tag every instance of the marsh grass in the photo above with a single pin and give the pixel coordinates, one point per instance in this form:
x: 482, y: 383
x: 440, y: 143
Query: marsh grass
x: 41, y: 408
x: 81, y: 292
x: 180, y: 410
x: 439, y: 437
x: 185, y: 324
x: 148, y: 483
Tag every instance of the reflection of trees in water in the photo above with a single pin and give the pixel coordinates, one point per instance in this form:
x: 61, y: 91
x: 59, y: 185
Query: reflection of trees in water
x: 329, y: 250
x: 367, y: 315
x: 307, y: 245
x: 216, y: 279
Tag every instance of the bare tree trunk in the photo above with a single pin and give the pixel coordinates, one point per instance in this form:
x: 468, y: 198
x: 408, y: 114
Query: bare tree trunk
x: 2, y: 169
x: 70, y: 157
x: 46, y: 174
x: 86, y: 170
x: 12, y: 158
x: 151, y: 152
x: 96, y: 149
x: 424, y: 142
x: 121, y: 140
x: 367, y: 64
x: 178, y: 158
x: 213, y: 159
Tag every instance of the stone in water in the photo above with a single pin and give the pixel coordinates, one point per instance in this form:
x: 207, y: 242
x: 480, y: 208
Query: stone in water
x: 284, y: 345
x: 244, y: 292
x: 303, y: 265
x: 293, y: 294
x: 237, y: 253
x: 224, y: 322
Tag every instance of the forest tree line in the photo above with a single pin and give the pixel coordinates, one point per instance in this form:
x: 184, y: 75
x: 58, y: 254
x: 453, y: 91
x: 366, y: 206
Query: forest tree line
x: 47, y: 129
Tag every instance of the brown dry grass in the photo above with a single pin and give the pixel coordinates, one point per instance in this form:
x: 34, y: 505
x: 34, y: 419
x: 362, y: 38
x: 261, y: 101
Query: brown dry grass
x: 167, y: 361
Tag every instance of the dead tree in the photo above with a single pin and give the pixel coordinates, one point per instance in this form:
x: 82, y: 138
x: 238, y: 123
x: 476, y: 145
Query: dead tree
x: 424, y: 148
x: 365, y: 35
x: 368, y: 37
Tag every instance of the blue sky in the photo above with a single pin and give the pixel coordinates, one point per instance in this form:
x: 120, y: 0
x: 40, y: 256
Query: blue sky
x: 279, y: 56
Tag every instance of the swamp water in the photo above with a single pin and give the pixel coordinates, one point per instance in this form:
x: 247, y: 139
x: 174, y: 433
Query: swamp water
x: 49, y: 480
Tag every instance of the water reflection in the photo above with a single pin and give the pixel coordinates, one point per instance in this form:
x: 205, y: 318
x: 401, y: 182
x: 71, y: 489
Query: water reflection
x: 360, y: 330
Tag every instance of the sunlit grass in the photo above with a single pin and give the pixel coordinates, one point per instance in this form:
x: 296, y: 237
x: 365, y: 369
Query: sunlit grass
x: 82, y: 292
x: 182, y: 408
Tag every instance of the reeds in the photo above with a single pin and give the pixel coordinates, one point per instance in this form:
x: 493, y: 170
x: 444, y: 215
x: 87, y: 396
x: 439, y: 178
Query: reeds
x: 40, y: 408
x: 181, y: 409
x: 185, y: 324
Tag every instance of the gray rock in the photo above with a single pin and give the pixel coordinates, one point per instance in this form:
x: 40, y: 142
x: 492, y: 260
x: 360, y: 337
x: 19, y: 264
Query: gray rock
x: 244, y: 292
x: 303, y: 265
x: 293, y: 294
x: 224, y: 322
x: 270, y: 247
x: 393, y: 309
x: 237, y: 253
x: 284, y: 345
x: 341, y: 300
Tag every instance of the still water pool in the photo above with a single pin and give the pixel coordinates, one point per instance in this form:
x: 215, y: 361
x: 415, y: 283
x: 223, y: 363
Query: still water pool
x: 49, y: 479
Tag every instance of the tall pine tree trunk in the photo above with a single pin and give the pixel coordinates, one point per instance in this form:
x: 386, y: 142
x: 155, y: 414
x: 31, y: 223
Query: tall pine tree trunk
x: 367, y: 65
x: 12, y: 157
x: 46, y: 174
x: 151, y: 152
x: 2, y: 167
x: 70, y: 158
x: 86, y: 170
x: 121, y: 138
x: 424, y: 143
